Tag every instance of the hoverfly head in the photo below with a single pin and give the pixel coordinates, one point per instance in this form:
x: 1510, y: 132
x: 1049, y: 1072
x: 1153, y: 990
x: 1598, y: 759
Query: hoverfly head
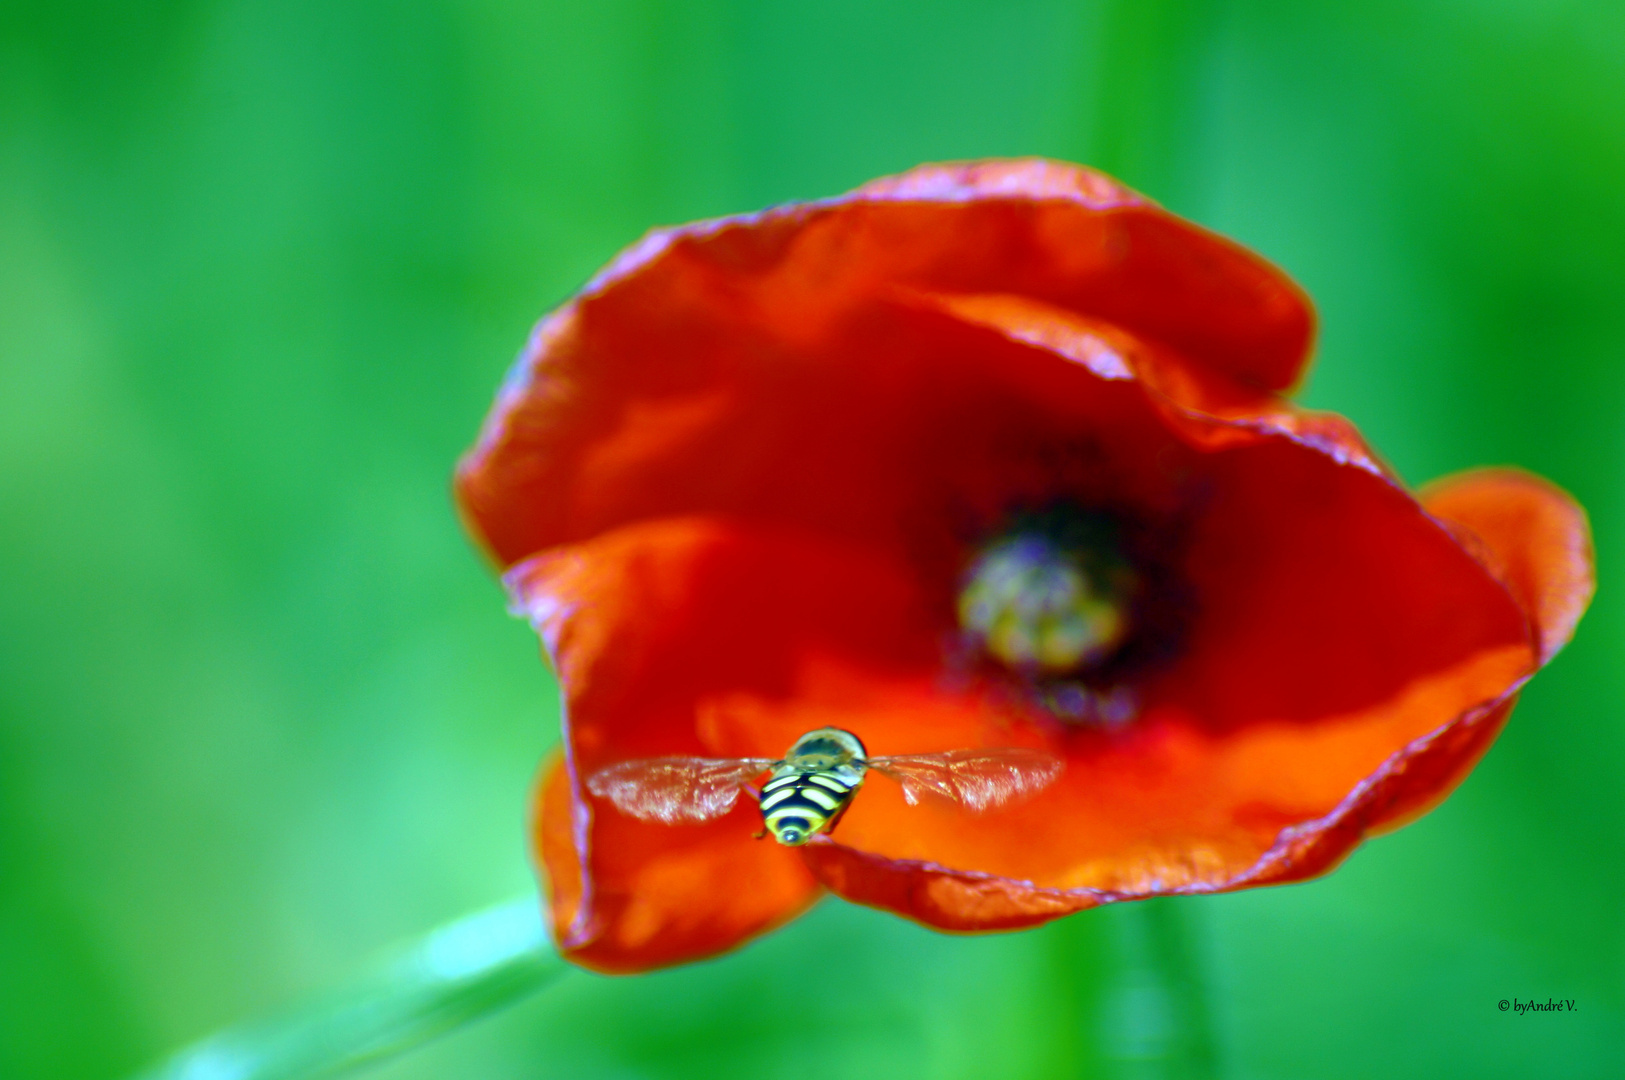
x: 826, y: 748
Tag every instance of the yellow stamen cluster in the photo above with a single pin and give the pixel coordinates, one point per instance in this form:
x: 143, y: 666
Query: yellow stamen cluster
x: 1033, y: 605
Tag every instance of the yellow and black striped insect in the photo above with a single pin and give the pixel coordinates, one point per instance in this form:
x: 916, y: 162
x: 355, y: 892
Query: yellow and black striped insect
x: 812, y: 785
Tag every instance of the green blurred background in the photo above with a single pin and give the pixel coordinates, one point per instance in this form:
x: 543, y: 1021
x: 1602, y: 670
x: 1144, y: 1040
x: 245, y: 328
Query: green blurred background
x: 262, y: 266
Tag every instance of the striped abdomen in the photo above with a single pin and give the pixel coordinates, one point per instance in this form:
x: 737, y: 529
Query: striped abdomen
x: 797, y: 804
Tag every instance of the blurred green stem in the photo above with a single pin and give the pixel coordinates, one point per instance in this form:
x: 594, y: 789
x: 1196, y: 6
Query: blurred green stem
x: 461, y: 972
x: 1145, y: 127
x: 1155, y: 1020
x: 1146, y: 122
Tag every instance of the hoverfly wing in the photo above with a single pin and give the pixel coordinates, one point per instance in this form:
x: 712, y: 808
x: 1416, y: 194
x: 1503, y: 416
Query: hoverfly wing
x: 676, y: 789
x: 976, y: 779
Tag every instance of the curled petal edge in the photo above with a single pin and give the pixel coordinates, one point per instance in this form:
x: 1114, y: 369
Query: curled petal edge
x: 1407, y: 785
x: 1206, y: 408
x: 1256, y: 333
x: 1529, y: 533
x: 688, y: 896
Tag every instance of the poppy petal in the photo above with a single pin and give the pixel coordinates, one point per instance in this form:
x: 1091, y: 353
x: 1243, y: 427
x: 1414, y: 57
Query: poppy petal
x: 1331, y: 604
x: 1159, y: 276
x: 740, y: 482
x: 1532, y: 534
x: 1168, y: 809
x: 1407, y: 785
x: 688, y: 347
x: 620, y: 617
x: 1391, y: 762
x: 628, y: 896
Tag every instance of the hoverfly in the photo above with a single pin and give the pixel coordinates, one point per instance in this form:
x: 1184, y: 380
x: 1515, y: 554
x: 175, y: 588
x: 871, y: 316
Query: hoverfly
x: 814, y: 782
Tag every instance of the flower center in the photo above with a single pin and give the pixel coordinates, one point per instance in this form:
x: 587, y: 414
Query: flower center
x: 1038, y: 604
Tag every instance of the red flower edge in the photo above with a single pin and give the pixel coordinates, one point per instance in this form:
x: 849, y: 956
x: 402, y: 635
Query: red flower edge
x: 690, y: 607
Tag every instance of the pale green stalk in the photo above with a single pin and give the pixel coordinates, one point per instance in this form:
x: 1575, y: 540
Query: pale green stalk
x: 1155, y: 1022
x: 463, y: 971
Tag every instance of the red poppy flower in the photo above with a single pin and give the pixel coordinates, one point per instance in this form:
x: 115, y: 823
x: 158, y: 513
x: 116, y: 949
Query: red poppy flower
x: 986, y: 455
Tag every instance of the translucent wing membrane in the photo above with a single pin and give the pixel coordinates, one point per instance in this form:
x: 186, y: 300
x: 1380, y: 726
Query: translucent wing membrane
x: 976, y: 779
x: 676, y: 789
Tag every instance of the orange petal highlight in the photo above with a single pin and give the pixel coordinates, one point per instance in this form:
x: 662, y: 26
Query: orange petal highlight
x: 1533, y: 535
x: 1408, y: 784
x: 628, y: 896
